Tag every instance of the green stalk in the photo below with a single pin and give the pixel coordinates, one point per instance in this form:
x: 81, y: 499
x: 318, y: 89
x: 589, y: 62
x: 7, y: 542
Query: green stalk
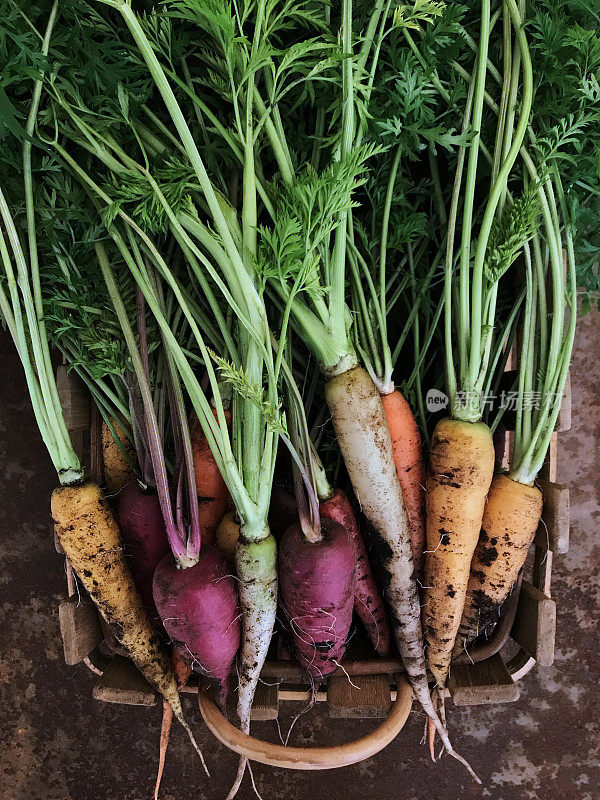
x: 415, y: 307
x: 252, y: 421
x: 495, y: 195
x: 523, y: 416
x: 30, y: 216
x: 507, y: 83
x: 462, y: 326
x: 503, y: 344
x: 20, y: 339
x: 338, y: 283
x: 542, y: 300
x: 40, y: 381
x: 387, y: 356
x: 532, y: 453
x: 186, y: 137
x: 469, y: 193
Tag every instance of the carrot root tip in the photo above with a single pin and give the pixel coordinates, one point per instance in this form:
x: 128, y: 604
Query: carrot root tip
x: 238, y: 778
x: 195, y: 745
x: 431, y: 739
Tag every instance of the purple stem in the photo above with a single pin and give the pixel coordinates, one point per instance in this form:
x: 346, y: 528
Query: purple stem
x: 143, y: 336
x: 308, y: 513
x: 154, y: 444
x: 142, y: 331
x: 179, y: 499
x: 184, y: 460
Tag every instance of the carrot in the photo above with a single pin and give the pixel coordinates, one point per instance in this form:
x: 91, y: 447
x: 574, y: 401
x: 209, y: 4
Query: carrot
x: 182, y: 673
x: 510, y: 519
x: 212, y: 491
x: 199, y: 608
x: 210, y: 514
x: 364, y: 438
x: 227, y: 535
x: 89, y: 535
x: 460, y: 473
x: 256, y: 567
x: 410, y: 465
x: 145, y: 542
x: 316, y: 580
x: 118, y: 472
x: 368, y: 602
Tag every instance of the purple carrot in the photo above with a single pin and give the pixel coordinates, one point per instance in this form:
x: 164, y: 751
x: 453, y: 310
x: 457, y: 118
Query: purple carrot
x: 317, y: 593
x: 200, y: 611
x: 368, y: 602
x: 144, y: 540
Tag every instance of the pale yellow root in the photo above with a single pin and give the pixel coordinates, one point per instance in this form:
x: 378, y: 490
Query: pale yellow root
x: 227, y: 535
x: 510, y: 520
x: 460, y: 473
x: 117, y: 471
x: 437, y: 698
x: 89, y: 535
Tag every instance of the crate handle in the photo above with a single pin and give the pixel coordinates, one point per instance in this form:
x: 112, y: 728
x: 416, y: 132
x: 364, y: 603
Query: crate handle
x: 309, y: 758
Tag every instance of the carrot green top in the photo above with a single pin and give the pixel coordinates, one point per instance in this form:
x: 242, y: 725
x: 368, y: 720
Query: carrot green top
x: 472, y: 318
x: 22, y: 307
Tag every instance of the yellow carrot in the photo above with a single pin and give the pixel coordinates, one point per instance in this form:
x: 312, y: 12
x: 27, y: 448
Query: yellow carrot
x: 89, y: 535
x: 510, y: 519
x: 460, y: 473
x: 118, y: 472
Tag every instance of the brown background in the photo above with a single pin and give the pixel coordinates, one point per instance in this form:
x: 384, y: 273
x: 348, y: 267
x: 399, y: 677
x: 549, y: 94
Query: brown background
x: 56, y: 743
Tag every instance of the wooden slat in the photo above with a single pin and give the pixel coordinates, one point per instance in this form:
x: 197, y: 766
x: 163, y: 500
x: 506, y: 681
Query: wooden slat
x: 79, y: 628
x: 563, y: 423
x: 367, y: 697
x: 300, y: 693
x: 293, y: 672
x: 482, y: 684
x: 534, y: 627
x: 553, y: 532
x: 550, y: 466
x: 96, y: 465
x: 74, y: 399
x: 266, y: 703
x: 123, y: 683
x: 78, y: 440
x: 541, y: 574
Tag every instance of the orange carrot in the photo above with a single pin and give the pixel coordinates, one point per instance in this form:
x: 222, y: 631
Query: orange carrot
x: 210, y: 514
x: 212, y: 492
x: 410, y: 466
x: 182, y: 673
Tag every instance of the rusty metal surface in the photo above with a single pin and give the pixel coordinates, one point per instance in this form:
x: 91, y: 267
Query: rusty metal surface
x: 59, y: 744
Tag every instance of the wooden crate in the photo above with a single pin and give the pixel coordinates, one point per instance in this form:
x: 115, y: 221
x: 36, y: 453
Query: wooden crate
x: 481, y: 677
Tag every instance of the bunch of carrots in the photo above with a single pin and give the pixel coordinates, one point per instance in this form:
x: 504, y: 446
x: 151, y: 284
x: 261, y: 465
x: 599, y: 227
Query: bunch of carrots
x: 264, y: 235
